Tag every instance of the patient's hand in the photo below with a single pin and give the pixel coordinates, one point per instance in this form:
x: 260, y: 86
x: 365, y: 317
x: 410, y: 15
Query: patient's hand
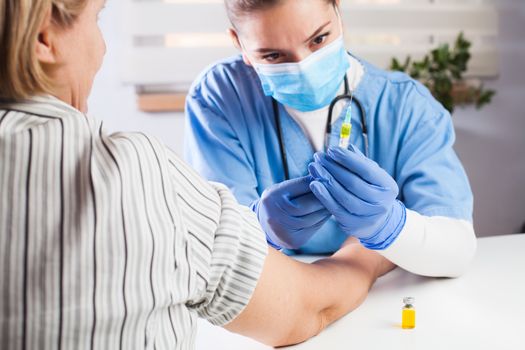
x: 350, y: 240
x: 352, y: 250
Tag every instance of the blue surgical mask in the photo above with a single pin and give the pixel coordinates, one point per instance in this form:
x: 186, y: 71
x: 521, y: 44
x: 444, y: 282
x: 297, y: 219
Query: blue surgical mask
x: 310, y: 84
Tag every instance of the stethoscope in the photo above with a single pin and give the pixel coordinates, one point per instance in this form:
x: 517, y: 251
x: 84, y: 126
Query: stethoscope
x: 328, y: 129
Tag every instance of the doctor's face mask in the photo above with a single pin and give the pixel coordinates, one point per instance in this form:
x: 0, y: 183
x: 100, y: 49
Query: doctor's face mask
x: 310, y: 84
x: 301, y: 64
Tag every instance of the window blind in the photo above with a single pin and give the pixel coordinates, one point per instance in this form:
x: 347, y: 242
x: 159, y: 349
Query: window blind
x: 168, y: 42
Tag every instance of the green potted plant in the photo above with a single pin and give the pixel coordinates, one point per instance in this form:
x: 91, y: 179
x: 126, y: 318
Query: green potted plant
x: 441, y: 71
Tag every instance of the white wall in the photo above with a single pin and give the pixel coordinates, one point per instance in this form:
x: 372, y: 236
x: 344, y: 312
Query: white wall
x: 115, y: 103
x: 491, y: 142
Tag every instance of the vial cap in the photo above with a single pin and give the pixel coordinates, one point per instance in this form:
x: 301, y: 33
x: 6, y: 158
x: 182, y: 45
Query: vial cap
x: 409, y: 300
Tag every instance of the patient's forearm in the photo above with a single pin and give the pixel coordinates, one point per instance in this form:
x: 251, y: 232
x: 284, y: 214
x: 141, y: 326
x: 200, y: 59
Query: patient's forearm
x: 294, y: 301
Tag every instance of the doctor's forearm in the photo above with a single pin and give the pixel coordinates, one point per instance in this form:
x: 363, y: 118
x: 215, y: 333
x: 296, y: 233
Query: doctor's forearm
x: 433, y: 246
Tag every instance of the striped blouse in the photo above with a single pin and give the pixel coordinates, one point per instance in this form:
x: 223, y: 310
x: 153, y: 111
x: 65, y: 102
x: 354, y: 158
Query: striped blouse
x: 111, y: 241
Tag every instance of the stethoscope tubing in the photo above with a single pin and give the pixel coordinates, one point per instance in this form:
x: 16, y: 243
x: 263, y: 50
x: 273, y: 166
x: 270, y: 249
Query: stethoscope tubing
x: 328, y: 129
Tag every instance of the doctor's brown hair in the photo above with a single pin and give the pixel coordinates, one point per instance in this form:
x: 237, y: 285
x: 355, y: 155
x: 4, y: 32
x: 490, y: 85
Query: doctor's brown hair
x: 236, y: 9
x: 21, y: 74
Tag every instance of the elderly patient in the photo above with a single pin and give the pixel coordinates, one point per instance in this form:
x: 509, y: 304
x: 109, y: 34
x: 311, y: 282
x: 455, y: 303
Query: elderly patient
x: 111, y: 241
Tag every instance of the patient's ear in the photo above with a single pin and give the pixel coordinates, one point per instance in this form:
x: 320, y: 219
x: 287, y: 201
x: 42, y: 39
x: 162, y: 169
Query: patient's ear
x: 237, y: 43
x: 45, y: 43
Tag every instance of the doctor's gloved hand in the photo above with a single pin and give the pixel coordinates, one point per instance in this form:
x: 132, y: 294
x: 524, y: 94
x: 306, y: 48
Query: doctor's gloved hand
x: 360, y: 195
x: 289, y: 213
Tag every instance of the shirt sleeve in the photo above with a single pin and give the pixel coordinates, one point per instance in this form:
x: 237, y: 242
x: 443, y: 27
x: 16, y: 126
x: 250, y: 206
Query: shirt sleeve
x: 227, y: 246
x: 238, y: 255
x: 430, y: 176
x: 434, y: 246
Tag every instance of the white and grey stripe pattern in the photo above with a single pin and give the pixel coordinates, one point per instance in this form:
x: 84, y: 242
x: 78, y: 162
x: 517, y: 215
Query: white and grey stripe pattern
x: 111, y: 241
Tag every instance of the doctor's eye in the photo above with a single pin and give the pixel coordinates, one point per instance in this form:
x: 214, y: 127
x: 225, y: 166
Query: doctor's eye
x: 320, y: 39
x: 272, y: 57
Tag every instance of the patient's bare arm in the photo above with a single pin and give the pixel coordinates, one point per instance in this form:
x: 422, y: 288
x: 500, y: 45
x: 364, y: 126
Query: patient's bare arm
x: 294, y: 301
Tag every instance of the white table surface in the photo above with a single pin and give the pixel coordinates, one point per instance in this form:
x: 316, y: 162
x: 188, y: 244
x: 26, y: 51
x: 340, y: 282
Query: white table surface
x: 483, y: 309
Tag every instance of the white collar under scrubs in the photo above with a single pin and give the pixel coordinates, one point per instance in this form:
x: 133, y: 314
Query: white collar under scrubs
x: 313, y: 123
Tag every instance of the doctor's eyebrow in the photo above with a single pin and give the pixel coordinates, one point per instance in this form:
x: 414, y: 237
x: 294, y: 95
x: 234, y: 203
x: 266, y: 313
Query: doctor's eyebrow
x: 316, y: 33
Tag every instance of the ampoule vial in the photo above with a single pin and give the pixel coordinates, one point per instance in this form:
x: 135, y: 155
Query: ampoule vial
x: 408, y: 313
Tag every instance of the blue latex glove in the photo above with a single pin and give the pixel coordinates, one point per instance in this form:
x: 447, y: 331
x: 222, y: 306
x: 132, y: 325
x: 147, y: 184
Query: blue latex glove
x: 360, y: 195
x: 289, y: 213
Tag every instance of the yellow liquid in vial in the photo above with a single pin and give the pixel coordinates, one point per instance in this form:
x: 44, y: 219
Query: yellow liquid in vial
x: 409, y: 319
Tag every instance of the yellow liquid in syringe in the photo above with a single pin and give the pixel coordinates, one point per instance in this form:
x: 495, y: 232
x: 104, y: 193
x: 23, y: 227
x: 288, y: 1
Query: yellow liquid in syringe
x: 346, y: 131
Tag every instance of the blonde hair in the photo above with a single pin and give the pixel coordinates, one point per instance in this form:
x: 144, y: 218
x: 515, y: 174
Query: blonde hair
x: 21, y: 74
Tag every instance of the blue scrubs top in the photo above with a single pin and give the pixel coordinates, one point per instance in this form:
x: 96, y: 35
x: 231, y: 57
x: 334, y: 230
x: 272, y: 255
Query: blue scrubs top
x: 231, y: 137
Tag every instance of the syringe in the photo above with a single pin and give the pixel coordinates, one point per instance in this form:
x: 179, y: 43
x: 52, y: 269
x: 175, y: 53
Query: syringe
x: 346, y: 129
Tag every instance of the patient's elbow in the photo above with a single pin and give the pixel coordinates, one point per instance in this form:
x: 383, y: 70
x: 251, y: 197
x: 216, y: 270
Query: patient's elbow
x: 301, y: 330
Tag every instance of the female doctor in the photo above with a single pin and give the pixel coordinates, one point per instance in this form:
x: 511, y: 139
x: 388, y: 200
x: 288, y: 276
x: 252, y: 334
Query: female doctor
x: 267, y: 123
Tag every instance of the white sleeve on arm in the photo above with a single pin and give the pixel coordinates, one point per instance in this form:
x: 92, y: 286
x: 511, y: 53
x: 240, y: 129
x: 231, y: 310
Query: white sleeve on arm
x: 434, y: 246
